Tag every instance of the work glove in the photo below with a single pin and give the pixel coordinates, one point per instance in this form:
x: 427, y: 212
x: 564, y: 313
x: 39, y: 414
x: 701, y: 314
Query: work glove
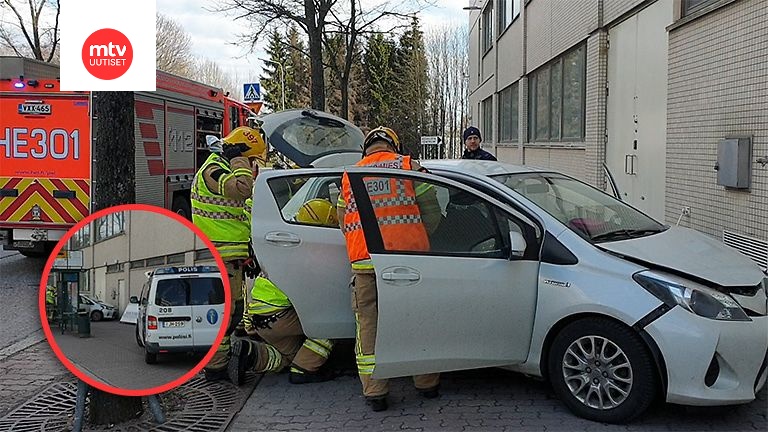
x: 235, y: 150
x: 251, y: 268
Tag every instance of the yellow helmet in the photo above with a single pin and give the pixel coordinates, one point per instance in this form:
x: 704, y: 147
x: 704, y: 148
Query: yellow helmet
x: 382, y: 133
x: 318, y: 211
x: 250, y: 137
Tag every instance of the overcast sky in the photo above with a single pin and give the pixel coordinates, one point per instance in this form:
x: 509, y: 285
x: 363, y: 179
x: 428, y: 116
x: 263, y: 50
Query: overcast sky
x: 213, y: 33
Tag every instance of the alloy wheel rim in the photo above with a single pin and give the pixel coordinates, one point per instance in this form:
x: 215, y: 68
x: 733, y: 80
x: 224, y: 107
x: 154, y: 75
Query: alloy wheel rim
x: 597, y: 372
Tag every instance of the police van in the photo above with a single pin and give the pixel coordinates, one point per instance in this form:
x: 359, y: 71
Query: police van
x: 180, y: 310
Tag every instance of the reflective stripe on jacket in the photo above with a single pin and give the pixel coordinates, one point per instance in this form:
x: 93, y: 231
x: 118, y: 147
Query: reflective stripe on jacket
x: 267, y: 298
x: 221, y: 219
x: 394, y: 204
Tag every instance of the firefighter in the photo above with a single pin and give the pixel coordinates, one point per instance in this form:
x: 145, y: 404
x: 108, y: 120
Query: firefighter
x: 50, y: 302
x: 413, y: 213
x: 218, y: 194
x: 274, y: 319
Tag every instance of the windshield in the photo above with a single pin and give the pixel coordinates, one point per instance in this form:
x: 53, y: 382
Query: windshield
x: 592, y: 214
x: 189, y: 292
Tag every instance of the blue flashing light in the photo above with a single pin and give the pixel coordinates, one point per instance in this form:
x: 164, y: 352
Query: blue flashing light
x: 18, y: 85
x: 186, y: 270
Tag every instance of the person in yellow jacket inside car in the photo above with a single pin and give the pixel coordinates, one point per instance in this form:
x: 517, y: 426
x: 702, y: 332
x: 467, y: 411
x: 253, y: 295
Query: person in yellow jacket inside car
x: 219, y: 190
x: 273, y: 318
x: 411, y: 211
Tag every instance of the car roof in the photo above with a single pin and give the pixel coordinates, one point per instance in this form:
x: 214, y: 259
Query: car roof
x: 481, y: 167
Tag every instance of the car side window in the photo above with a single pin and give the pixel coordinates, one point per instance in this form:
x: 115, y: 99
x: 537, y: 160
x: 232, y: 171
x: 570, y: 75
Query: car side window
x: 144, y: 293
x: 308, y: 200
x: 456, y: 222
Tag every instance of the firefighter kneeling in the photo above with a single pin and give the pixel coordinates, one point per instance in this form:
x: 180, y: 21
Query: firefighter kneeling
x: 274, y: 319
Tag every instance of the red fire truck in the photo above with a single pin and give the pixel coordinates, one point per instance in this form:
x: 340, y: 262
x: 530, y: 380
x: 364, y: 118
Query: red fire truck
x: 47, y: 139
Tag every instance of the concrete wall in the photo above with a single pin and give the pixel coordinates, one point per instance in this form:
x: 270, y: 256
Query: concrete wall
x: 613, y: 9
x: 554, y: 26
x: 717, y: 88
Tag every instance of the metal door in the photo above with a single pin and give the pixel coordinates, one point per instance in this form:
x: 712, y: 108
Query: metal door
x: 636, y: 114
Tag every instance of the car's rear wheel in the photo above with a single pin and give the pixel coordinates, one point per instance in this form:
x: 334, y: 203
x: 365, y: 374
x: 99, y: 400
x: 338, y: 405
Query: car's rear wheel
x: 97, y: 316
x: 149, y: 358
x: 138, y: 337
x: 182, y: 206
x: 602, y: 370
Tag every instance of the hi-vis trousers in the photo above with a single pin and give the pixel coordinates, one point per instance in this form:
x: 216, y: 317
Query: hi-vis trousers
x: 365, y: 307
x: 287, y: 344
x: 221, y: 356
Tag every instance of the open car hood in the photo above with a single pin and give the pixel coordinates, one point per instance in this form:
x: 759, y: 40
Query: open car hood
x: 691, y: 252
x: 312, y: 138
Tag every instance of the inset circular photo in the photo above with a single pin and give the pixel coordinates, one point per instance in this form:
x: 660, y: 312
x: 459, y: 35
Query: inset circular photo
x: 134, y: 300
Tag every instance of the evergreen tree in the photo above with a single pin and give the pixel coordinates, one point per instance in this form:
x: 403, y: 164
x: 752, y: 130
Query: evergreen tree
x: 412, y: 95
x: 271, y: 82
x: 379, y: 73
x: 297, y: 72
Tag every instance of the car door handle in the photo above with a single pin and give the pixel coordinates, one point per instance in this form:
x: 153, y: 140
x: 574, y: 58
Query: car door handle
x: 401, y: 275
x: 282, y: 238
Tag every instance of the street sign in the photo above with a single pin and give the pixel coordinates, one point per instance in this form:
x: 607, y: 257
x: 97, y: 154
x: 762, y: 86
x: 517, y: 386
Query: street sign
x: 431, y: 140
x: 251, y: 92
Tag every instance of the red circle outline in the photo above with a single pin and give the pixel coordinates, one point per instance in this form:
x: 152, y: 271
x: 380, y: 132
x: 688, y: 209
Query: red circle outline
x: 100, y: 385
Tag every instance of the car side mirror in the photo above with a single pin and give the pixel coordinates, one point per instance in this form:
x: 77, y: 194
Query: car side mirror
x: 517, y: 245
x: 134, y: 299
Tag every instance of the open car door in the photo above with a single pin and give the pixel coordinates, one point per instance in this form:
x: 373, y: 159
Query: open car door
x: 307, y: 260
x: 464, y: 303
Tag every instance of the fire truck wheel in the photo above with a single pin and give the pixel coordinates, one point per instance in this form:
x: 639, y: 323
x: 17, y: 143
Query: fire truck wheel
x: 182, y: 206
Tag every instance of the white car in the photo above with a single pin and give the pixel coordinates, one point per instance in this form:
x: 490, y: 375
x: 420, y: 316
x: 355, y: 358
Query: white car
x: 537, y: 272
x: 180, y: 310
x: 97, y: 309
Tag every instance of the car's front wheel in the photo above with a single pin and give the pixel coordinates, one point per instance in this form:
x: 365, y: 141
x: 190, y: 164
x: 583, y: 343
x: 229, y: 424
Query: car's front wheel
x: 97, y: 316
x: 602, y: 370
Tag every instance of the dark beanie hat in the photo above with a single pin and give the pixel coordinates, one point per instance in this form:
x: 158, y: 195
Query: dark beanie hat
x: 472, y: 131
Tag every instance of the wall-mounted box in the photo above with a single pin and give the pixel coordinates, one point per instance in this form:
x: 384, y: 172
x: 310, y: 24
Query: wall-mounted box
x: 734, y: 162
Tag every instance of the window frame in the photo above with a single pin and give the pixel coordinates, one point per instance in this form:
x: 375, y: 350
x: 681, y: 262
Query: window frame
x: 487, y: 35
x: 315, y: 185
x: 502, y: 12
x: 687, y: 9
x: 487, y: 120
x: 533, y: 104
x: 531, y: 227
x: 514, y: 114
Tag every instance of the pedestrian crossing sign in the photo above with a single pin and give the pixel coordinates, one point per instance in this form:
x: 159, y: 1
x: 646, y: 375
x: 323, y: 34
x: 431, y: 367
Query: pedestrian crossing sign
x: 251, y: 92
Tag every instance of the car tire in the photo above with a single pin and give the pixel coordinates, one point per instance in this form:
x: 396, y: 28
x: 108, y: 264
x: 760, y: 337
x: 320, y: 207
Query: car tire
x: 149, y: 358
x: 182, y: 206
x: 97, y: 316
x: 138, y: 337
x: 602, y: 370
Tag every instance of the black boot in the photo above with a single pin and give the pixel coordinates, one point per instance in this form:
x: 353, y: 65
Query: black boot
x: 378, y: 403
x: 321, y: 375
x: 430, y: 393
x: 243, y: 357
x: 215, y: 375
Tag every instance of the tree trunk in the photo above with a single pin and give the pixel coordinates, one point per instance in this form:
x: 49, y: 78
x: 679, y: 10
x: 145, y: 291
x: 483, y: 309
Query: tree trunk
x: 315, y: 41
x: 344, y: 84
x: 106, y: 408
x: 113, y: 150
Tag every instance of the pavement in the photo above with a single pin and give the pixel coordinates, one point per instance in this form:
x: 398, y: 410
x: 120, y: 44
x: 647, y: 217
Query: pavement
x: 112, y: 356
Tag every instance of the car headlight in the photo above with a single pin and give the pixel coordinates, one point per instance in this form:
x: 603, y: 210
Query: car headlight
x: 696, y: 298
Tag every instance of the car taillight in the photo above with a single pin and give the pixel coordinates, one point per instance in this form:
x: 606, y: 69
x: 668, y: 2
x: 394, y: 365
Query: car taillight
x: 151, y: 323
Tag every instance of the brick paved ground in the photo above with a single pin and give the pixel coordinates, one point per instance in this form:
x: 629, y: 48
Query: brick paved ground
x: 113, y: 356
x: 25, y: 373
x: 490, y: 399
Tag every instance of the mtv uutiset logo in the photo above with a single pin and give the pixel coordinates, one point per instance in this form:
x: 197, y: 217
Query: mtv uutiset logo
x: 107, y: 54
x: 108, y: 45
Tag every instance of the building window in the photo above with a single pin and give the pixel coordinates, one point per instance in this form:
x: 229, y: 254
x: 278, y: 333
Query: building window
x: 508, y: 11
x: 110, y: 226
x: 176, y: 259
x: 156, y: 261
x: 486, y: 32
x: 690, y: 6
x: 203, y: 255
x: 487, y: 112
x: 82, y: 238
x: 556, y: 98
x: 508, y: 114
x: 115, y: 268
x: 137, y: 264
